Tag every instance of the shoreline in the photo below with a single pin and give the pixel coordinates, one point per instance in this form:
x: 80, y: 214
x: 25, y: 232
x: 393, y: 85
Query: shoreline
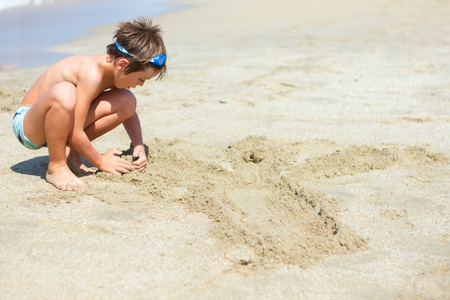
x: 17, y: 4
x: 32, y: 42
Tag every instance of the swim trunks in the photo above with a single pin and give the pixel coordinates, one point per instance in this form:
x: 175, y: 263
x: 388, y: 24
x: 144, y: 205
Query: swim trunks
x: 18, y: 129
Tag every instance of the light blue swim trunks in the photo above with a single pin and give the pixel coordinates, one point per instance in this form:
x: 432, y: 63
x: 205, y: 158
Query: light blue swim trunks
x: 18, y: 129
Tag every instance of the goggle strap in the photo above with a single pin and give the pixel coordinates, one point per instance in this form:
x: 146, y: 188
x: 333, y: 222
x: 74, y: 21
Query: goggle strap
x: 158, y: 60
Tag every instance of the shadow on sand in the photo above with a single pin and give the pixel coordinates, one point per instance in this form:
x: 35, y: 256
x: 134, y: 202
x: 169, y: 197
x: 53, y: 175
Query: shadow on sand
x: 36, y: 166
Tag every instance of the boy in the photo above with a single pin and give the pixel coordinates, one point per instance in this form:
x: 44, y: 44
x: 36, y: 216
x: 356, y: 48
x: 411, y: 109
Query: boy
x: 82, y: 97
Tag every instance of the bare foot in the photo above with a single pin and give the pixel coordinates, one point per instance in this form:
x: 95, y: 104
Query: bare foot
x: 63, y: 178
x: 75, y: 163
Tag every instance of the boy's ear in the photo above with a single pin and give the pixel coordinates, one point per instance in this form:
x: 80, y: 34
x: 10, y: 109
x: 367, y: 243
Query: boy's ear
x: 122, y: 63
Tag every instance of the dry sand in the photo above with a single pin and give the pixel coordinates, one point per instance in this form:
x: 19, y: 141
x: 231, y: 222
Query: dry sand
x: 296, y: 150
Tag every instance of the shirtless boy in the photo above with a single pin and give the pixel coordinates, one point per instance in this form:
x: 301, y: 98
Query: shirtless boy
x: 81, y: 98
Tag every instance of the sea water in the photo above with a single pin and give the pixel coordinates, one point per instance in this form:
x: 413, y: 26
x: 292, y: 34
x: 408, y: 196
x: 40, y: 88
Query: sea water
x: 29, y: 28
x: 7, y: 4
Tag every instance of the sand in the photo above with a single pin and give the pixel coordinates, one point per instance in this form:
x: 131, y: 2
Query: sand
x: 295, y: 150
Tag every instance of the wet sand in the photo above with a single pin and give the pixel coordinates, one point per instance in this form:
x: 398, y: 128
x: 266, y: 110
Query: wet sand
x: 297, y: 152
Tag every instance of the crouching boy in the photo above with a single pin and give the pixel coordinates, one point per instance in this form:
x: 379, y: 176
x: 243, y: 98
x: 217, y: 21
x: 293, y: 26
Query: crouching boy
x: 81, y: 98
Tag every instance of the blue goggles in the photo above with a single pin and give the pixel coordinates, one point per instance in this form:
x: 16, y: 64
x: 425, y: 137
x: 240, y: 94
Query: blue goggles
x: 158, y: 60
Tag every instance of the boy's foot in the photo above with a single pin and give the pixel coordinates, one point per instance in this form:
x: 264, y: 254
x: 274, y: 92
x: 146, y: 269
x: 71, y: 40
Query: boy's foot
x: 76, y: 164
x: 62, y: 178
x: 80, y: 169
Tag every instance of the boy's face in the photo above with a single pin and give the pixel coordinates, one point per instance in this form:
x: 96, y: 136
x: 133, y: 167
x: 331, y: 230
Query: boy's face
x: 132, y: 80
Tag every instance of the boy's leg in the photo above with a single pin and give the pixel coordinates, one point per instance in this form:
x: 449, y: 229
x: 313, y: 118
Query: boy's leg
x: 50, y: 120
x: 106, y: 112
x: 109, y: 110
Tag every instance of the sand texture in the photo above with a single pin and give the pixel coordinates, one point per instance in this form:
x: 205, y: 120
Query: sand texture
x: 297, y: 152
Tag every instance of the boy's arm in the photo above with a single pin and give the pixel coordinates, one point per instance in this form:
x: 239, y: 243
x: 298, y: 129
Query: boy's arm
x: 78, y: 138
x: 109, y: 162
x: 133, y: 127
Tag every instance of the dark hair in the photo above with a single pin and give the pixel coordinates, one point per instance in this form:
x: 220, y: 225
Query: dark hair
x: 144, y: 41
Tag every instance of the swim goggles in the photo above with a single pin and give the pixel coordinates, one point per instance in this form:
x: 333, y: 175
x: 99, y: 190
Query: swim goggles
x: 158, y: 60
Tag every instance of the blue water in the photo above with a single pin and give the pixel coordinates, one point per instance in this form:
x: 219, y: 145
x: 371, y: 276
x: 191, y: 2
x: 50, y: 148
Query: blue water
x: 7, y: 4
x: 26, y: 33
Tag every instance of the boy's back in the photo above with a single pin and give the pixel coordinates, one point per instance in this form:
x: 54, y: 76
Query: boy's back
x: 76, y: 70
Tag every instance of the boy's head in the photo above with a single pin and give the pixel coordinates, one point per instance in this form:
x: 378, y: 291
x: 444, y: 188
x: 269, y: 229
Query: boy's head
x: 139, y: 42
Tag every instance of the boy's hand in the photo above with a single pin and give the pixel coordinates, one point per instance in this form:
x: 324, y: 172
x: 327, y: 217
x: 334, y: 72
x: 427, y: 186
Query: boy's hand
x: 139, y: 158
x: 113, y: 164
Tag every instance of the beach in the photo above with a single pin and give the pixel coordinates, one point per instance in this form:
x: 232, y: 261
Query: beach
x: 296, y: 151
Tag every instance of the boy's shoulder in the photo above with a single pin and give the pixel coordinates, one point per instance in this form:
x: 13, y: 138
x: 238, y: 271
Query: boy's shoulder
x: 79, y: 69
x: 85, y: 65
x: 80, y: 61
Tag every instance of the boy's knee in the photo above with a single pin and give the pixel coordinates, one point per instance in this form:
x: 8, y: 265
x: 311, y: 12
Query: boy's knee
x: 128, y: 102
